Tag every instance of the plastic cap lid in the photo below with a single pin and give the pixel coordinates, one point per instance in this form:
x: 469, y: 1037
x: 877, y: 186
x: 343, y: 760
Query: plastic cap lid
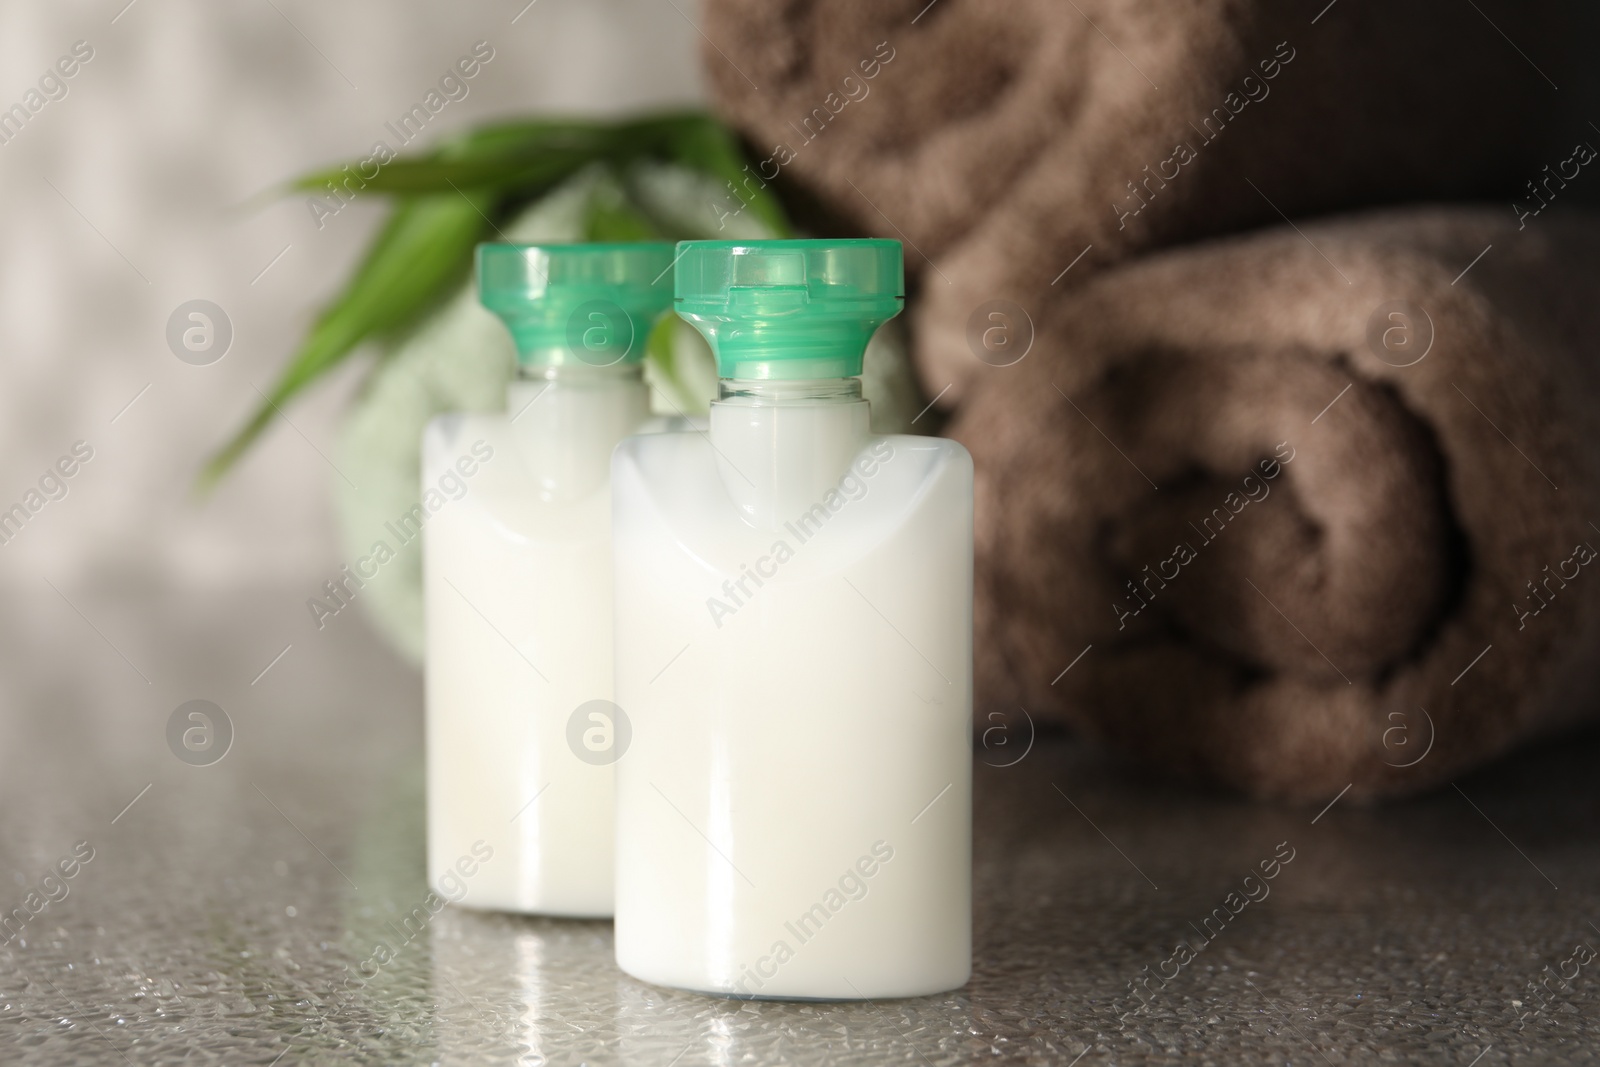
x: 789, y: 309
x: 592, y: 304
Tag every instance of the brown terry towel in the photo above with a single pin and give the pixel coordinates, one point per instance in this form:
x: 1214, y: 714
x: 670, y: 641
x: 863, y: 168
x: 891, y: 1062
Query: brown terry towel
x: 1003, y: 140
x: 1323, y: 504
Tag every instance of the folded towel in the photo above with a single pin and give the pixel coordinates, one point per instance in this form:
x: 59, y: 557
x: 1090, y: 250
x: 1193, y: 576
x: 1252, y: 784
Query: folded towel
x: 1315, y: 508
x: 1003, y: 142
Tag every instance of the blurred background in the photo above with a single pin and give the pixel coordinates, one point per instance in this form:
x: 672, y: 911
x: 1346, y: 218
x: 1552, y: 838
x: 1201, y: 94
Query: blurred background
x: 139, y: 190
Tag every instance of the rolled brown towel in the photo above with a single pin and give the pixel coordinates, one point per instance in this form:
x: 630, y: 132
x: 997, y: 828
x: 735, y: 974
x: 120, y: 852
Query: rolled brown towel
x: 1001, y: 141
x: 1322, y: 503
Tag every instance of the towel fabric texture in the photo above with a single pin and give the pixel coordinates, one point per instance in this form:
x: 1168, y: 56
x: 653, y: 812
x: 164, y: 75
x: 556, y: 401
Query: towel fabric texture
x: 1317, y: 531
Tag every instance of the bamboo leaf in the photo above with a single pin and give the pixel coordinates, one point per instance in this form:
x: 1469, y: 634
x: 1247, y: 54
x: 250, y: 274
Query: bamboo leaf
x: 446, y: 199
x: 707, y: 146
x: 530, y: 158
x: 421, y: 251
x: 506, y: 155
x: 533, y: 171
x: 610, y: 216
x: 513, y: 138
x: 661, y: 353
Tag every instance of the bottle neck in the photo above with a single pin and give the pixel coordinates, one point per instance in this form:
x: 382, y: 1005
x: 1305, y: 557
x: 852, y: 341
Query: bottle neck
x: 777, y: 391
x: 782, y: 445
x: 565, y: 419
x: 579, y: 374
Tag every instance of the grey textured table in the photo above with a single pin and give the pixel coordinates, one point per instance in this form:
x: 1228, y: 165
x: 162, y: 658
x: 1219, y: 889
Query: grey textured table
x: 226, y: 906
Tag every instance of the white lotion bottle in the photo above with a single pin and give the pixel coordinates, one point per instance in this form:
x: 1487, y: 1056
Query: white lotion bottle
x: 521, y: 729
x: 794, y: 653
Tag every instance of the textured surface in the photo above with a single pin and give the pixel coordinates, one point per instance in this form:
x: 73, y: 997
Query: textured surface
x: 223, y: 913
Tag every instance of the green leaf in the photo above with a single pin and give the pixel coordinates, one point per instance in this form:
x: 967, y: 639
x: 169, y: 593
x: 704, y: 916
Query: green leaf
x: 422, y: 250
x: 661, y: 351
x: 533, y: 172
x: 706, y: 145
x: 532, y: 156
x: 610, y: 216
x: 447, y: 199
x: 514, y: 138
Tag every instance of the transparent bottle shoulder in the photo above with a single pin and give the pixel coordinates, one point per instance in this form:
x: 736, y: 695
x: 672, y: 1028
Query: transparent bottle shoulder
x: 683, y: 452
x: 668, y: 487
x: 556, y: 451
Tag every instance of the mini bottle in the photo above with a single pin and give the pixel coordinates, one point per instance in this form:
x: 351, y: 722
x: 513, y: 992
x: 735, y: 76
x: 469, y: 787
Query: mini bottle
x: 794, y: 654
x: 521, y: 729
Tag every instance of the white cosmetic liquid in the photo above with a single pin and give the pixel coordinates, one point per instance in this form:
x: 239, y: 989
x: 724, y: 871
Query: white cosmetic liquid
x: 793, y: 628
x: 517, y: 586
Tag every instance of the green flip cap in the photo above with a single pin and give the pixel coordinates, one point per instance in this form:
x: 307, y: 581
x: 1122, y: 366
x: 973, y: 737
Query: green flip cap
x: 789, y: 309
x: 568, y: 304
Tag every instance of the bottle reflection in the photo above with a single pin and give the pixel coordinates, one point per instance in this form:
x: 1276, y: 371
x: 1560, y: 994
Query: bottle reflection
x: 524, y: 991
